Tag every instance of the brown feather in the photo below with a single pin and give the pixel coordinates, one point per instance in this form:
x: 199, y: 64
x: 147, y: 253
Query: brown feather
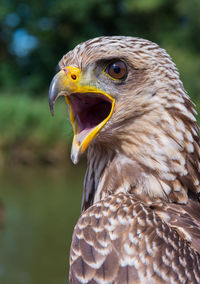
x: 140, y: 245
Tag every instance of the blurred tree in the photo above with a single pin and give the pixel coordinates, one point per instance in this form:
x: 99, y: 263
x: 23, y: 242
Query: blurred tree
x: 35, y: 34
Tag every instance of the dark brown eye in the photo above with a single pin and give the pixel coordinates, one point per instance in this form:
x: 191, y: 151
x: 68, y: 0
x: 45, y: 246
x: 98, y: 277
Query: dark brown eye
x: 117, y: 69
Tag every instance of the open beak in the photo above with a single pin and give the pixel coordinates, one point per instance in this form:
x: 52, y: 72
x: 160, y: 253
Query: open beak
x: 90, y: 108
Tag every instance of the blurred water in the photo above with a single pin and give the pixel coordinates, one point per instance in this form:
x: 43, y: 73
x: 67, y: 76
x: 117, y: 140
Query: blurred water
x: 41, y: 208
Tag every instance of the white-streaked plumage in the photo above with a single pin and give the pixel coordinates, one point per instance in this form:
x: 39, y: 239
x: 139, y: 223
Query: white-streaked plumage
x: 140, y: 220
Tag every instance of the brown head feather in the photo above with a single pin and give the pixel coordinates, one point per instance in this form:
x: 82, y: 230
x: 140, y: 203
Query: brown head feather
x: 153, y: 123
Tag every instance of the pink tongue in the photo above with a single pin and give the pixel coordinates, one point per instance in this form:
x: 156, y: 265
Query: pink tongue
x: 81, y: 136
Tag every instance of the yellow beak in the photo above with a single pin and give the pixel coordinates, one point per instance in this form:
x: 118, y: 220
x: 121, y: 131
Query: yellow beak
x: 90, y: 108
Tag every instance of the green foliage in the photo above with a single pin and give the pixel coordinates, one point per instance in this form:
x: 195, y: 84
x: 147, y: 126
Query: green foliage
x: 144, y: 5
x: 27, y: 120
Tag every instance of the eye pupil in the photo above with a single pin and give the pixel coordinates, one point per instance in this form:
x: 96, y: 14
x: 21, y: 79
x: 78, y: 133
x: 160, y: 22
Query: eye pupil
x: 117, y: 70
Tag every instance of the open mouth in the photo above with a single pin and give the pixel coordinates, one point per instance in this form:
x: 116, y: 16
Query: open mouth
x: 90, y: 108
x: 89, y: 111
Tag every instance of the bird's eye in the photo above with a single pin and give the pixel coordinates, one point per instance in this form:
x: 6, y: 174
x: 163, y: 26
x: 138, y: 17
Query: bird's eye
x: 117, y: 70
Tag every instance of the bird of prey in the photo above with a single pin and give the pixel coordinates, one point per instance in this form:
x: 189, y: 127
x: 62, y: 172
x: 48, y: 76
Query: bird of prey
x: 140, y: 220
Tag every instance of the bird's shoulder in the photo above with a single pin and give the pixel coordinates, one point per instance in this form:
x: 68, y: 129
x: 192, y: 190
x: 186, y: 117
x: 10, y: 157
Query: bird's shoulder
x: 123, y: 239
x: 185, y: 219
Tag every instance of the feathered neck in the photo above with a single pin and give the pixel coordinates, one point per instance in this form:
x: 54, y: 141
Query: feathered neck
x: 156, y: 155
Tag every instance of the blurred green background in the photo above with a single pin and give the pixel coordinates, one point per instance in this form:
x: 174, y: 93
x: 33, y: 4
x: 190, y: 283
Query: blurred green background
x: 39, y: 188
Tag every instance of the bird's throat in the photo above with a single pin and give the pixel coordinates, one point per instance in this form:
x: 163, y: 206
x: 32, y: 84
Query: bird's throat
x: 109, y: 173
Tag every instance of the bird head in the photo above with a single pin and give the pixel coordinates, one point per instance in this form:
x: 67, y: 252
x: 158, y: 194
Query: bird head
x: 125, y: 93
x: 108, y: 82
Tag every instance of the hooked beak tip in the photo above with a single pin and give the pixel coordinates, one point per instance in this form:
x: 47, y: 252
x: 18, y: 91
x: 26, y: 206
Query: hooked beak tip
x: 56, y: 89
x: 51, y: 106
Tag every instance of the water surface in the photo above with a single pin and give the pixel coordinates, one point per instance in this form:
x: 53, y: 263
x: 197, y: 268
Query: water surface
x: 41, y: 208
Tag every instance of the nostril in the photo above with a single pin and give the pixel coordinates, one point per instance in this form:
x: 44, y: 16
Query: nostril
x: 73, y: 76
